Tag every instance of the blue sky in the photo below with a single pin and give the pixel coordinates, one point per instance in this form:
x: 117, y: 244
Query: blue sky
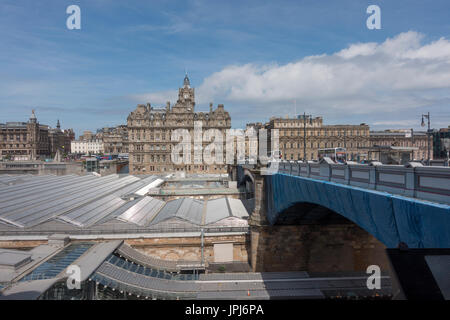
x: 259, y: 58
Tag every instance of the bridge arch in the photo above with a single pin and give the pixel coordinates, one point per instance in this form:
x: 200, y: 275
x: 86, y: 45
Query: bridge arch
x: 389, y: 218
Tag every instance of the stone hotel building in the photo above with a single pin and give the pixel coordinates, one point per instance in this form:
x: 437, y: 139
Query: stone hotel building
x: 150, y: 131
x: 32, y: 140
x: 355, y: 138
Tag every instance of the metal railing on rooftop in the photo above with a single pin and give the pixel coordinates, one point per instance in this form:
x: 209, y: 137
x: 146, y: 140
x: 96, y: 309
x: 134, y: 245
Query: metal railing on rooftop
x: 121, y: 231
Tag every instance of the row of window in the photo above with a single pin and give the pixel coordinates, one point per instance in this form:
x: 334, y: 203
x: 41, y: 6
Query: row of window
x: 314, y: 156
x: 293, y: 145
x: 404, y: 143
x: 6, y: 152
x: 19, y: 138
x: 141, y: 168
x: 140, y: 147
x: 172, y: 121
x: 153, y: 158
x: 298, y: 124
x: 154, y: 135
x: 324, y: 133
x: 13, y: 145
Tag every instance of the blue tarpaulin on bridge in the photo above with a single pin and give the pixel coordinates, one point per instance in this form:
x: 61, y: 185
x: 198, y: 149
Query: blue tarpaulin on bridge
x: 389, y: 218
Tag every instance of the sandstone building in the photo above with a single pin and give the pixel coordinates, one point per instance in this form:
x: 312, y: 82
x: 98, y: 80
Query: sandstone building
x: 360, y: 143
x: 355, y: 138
x: 87, y: 136
x: 31, y: 140
x: 416, y: 141
x: 115, y: 139
x: 60, y: 139
x: 150, y: 131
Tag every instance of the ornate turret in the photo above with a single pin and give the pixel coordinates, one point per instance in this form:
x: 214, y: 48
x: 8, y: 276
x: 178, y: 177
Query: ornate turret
x: 186, y: 101
x: 33, y: 134
x: 33, y: 118
x: 186, y: 82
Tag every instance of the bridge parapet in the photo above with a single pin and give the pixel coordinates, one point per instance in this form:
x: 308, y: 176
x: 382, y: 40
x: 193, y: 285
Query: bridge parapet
x: 427, y: 183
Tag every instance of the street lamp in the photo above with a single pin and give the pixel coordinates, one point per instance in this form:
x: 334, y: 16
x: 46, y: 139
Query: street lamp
x: 345, y: 144
x: 304, y: 133
x: 428, y: 133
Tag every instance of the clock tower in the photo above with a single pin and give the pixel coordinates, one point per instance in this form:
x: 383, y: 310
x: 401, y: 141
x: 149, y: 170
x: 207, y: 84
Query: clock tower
x: 151, y: 138
x: 186, y: 101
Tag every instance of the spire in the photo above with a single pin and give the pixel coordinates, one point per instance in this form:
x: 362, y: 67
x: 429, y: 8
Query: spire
x: 58, y: 125
x: 186, y: 82
x: 33, y: 117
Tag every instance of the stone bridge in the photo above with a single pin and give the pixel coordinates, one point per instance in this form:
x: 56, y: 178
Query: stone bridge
x: 386, y: 205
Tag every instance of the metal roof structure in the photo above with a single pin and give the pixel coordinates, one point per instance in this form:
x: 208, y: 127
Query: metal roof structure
x: 143, y: 211
x: 188, y: 209
x: 59, y: 262
x: 28, y: 290
x: 131, y: 254
x: 217, y: 209
x: 91, y: 213
x: 238, y: 208
x: 140, y: 280
x: 13, y: 259
x: 38, y: 254
x: 74, y: 204
x: 118, y: 266
x: 95, y: 256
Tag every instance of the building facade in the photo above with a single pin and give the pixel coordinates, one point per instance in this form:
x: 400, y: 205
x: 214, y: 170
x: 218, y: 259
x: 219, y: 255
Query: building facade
x: 417, y: 141
x: 87, y: 136
x: 441, y: 143
x: 87, y: 147
x: 150, y: 131
x: 304, y: 136
x: 31, y: 140
x: 115, y: 139
x: 60, y: 140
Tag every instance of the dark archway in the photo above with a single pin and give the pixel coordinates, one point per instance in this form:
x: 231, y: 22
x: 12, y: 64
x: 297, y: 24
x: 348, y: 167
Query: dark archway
x: 248, y: 186
x: 309, y: 213
x: 312, y: 238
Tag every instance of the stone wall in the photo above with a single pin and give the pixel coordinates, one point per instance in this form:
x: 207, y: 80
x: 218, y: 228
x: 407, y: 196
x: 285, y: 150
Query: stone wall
x: 189, y: 248
x: 315, y: 248
x: 21, y: 244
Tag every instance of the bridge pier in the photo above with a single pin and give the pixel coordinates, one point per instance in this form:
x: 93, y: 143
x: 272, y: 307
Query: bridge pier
x: 258, y: 222
x: 315, y: 248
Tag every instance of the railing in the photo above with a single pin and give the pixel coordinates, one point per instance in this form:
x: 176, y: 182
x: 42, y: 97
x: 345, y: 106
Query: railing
x: 428, y: 183
x: 112, y: 231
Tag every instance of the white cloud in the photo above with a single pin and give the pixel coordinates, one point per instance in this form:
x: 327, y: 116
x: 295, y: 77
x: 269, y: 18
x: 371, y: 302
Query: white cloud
x: 400, y: 63
x: 398, y: 74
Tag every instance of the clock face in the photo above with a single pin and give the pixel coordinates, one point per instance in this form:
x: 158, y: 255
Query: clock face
x: 186, y: 95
